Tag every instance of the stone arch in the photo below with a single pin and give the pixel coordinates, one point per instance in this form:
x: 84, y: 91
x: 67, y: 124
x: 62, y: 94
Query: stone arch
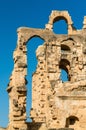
x: 60, y: 15
x: 65, y: 52
x: 69, y: 43
x: 17, y: 85
x: 25, y: 34
x: 65, y: 65
x: 69, y: 39
x: 33, y: 62
x: 60, y: 26
x: 39, y: 45
x: 35, y: 35
x: 71, y: 121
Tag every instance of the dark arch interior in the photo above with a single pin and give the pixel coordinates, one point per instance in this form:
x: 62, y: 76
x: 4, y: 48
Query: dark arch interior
x: 65, y: 48
x: 63, y: 64
x: 71, y: 120
x: 59, y: 18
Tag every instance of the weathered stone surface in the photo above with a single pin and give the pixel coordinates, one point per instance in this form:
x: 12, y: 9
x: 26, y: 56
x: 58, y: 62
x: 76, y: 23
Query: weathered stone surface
x: 2, y: 128
x: 55, y: 105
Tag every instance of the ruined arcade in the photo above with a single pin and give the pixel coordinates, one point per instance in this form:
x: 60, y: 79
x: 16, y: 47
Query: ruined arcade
x: 56, y: 105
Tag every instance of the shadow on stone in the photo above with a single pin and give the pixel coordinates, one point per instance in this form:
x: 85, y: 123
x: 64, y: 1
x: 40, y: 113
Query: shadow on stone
x: 63, y: 129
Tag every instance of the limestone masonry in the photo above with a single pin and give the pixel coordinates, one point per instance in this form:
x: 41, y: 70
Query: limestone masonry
x: 56, y: 105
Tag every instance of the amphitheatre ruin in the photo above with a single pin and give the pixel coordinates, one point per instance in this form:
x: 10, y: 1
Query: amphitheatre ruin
x: 56, y: 105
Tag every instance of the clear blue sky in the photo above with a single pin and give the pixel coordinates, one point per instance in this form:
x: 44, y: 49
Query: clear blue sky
x: 30, y: 13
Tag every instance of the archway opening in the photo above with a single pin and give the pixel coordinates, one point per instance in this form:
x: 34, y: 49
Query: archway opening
x: 71, y: 121
x: 32, y: 46
x: 65, y: 51
x: 60, y: 26
x: 64, y: 75
x: 64, y: 66
x: 65, y: 48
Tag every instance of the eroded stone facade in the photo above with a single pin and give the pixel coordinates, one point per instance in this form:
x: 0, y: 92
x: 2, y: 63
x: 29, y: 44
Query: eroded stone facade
x: 55, y: 104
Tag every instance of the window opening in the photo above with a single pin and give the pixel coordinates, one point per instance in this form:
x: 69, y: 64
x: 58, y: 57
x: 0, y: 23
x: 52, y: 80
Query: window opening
x: 64, y: 75
x: 65, y: 48
x: 60, y: 27
x: 64, y: 67
x: 71, y: 121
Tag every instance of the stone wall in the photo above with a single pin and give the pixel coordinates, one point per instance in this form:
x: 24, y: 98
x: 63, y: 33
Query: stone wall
x: 55, y: 104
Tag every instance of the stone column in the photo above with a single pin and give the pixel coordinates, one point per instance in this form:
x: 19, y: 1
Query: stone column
x: 38, y: 111
x: 17, y: 88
